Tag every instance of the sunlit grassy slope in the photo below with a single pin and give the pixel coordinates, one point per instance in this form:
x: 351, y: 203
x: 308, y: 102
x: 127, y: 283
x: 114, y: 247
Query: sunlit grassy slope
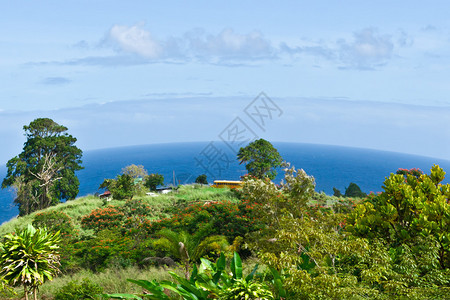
x: 82, y: 206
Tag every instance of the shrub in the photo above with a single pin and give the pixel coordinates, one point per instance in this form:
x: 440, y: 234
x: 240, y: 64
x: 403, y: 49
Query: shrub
x: 414, y: 172
x: 6, y: 290
x: 346, y: 205
x: 55, y: 221
x: 136, y: 207
x: 29, y: 258
x: 213, y: 218
x: 59, y: 221
x: 79, y: 291
x: 208, y: 281
x: 122, y: 187
x: 152, y: 181
x: 243, y: 289
x: 103, y: 218
x: 136, y: 228
x: 353, y: 190
x: 109, y: 248
x: 201, y: 179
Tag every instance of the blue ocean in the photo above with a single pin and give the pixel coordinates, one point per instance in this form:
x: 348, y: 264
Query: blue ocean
x: 180, y: 163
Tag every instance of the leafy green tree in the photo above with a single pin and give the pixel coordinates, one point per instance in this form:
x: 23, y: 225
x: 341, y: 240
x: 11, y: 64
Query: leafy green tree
x: 395, y: 245
x: 121, y: 188
x: 201, y: 179
x: 135, y: 171
x: 337, y: 192
x: 44, y: 172
x: 29, y: 258
x: 261, y: 159
x: 301, y: 241
x: 353, y: 190
x: 153, y: 180
x: 408, y: 210
x: 138, y: 174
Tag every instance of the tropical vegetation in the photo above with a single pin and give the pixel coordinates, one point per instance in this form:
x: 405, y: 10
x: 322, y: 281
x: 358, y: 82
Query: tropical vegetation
x: 265, y: 240
x: 29, y: 258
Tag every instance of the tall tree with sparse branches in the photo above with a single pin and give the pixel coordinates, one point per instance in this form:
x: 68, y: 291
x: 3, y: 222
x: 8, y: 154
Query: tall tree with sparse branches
x: 44, y: 172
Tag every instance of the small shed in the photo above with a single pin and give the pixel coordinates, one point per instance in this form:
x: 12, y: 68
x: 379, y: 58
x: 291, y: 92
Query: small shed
x: 106, y: 195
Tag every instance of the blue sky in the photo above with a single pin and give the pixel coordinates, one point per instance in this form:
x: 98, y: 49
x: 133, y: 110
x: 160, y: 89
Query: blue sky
x: 371, y: 74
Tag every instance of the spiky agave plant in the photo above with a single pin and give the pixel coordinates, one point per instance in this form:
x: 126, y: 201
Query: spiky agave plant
x: 29, y: 258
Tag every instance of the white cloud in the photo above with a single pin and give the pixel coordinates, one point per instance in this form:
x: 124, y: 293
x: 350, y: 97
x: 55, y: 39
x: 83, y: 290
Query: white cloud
x: 367, y: 50
x: 317, y: 50
x: 136, y: 40
x: 229, y: 45
x: 193, y: 45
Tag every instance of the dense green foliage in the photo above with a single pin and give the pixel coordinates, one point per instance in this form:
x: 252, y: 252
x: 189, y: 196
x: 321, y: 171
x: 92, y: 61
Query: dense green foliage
x: 107, y: 248
x: 201, y: 179
x: 353, y: 190
x: 394, y: 245
x: 391, y: 245
x: 133, y: 181
x: 121, y: 188
x: 55, y: 221
x: 75, y: 290
x: 208, y: 281
x: 261, y: 159
x: 44, y: 172
x: 212, y: 218
x: 336, y: 192
x: 412, y: 214
x: 152, y: 181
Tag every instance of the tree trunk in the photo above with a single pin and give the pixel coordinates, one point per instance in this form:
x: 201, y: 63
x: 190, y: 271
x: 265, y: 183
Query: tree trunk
x: 26, y: 292
x: 35, y: 293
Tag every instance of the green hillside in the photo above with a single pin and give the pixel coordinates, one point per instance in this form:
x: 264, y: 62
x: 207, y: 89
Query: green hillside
x: 199, y: 242
x: 162, y: 206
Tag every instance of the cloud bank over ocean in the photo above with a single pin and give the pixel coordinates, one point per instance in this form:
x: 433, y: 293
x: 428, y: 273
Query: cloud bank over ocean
x: 412, y: 129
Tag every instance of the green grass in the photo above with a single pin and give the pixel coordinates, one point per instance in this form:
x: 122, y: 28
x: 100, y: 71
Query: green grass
x: 112, y: 280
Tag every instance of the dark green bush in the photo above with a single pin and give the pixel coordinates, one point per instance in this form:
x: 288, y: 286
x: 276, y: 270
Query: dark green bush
x: 108, y: 248
x: 152, y: 181
x: 79, y: 291
x: 55, y: 221
x: 353, y: 190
